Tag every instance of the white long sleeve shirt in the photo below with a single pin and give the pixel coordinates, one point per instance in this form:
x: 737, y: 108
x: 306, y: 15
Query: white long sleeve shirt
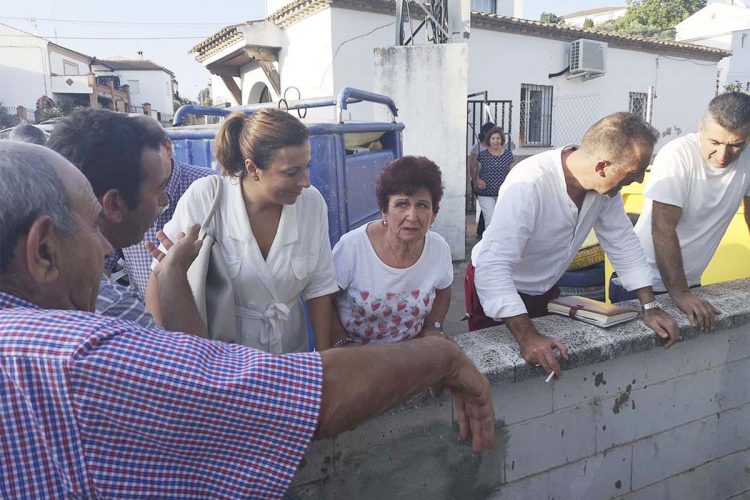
x: 536, y: 232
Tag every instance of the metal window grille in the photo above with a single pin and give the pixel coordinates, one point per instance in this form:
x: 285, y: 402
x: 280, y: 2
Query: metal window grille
x: 637, y: 104
x: 489, y: 6
x: 535, y: 124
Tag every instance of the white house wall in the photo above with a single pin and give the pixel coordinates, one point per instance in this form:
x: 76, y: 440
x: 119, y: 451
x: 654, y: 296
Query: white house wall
x: 58, y: 68
x: 253, y: 79
x: 739, y: 64
x: 24, y: 64
x: 305, y: 60
x: 155, y: 89
x: 577, y: 104
x: 354, y: 39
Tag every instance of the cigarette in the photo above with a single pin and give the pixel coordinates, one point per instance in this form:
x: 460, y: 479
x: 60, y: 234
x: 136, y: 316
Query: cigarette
x: 549, y: 377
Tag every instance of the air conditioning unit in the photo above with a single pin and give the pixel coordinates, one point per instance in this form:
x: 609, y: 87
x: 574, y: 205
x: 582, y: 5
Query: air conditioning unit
x: 588, y: 58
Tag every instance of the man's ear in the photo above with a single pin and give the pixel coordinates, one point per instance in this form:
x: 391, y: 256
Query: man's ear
x: 600, y: 166
x: 114, y: 206
x: 43, y: 250
x: 168, y: 146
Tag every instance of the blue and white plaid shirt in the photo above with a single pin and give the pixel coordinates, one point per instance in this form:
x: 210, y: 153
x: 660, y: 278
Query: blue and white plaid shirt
x: 97, y: 407
x: 119, y: 301
x: 137, y: 258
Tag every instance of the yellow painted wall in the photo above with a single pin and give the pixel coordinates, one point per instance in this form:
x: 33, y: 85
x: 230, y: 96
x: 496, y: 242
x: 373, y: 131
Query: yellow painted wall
x: 731, y: 260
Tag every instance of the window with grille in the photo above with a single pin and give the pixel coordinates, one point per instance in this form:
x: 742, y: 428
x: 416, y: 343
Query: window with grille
x: 637, y: 104
x: 535, y: 128
x: 489, y: 6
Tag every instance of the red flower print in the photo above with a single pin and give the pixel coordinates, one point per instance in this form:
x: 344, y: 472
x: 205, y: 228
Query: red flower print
x: 376, y: 304
x: 415, y: 294
x: 390, y: 296
x: 364, y: 295
x: 387, y: 312
x: 426, y: 300
x: 401, y: 306
x: 415, y: 311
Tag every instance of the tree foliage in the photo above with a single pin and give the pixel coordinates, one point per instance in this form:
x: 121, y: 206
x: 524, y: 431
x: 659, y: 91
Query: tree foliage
x: 551, y: 18
x: 588, y: 23
x: 653, y: 18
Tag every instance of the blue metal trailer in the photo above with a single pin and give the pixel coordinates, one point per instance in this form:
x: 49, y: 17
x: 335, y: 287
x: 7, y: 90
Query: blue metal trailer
x: 341, y: 168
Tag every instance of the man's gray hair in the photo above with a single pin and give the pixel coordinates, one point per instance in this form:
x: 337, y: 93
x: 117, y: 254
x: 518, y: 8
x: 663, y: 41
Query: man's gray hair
x: 731, y: 111
x: 29, y: 189
x: 614, y: 136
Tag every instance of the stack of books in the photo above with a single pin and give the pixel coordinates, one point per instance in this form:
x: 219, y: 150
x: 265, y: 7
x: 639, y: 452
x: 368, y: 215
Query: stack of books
x: 591, y: 311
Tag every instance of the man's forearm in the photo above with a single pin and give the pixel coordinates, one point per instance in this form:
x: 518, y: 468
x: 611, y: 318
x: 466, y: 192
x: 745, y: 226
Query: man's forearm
x: 320, y: 318
x: 669, y: 261
x: 362, y: 382
x: 521, y: 327
x: 645, y: 294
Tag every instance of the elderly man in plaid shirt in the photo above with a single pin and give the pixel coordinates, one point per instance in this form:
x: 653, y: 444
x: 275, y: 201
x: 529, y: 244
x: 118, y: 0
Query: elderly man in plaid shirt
x: 98, y: 407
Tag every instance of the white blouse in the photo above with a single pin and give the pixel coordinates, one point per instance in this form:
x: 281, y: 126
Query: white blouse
x: 267, y: 291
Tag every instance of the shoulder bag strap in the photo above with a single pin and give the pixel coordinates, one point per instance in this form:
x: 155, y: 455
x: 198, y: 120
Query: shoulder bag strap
x: 212, y: 209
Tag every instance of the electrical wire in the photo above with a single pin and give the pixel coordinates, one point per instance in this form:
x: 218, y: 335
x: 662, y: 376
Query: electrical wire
x: 137, y: 23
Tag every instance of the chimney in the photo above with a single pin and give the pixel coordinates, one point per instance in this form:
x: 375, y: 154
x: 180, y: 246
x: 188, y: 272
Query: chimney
x: 140, y: 52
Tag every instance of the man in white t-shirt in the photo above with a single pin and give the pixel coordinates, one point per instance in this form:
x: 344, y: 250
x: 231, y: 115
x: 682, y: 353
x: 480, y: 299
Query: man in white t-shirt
x: 547, y: 206
x: 697, y: 182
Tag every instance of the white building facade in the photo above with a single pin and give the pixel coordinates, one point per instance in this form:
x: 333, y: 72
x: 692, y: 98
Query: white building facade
x: 724, y: 26
x: 316, y: 47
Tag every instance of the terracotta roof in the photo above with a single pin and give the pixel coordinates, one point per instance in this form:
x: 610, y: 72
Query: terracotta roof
x: 570, y: 33
x: 300, y: 9
x: 132, y: 65
x: 226, y: 36
x: 592, y: 12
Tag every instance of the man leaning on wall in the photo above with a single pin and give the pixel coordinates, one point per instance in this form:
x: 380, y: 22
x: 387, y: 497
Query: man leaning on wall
x: 696, y: 184
x: 98, y: 407
x: 547, y: 206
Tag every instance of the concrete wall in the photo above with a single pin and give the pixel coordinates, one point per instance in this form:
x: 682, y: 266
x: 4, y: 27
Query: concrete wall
x: 627, y: 419
x: 428, y: 84
x: 24, y: 64
x: 155, y: 88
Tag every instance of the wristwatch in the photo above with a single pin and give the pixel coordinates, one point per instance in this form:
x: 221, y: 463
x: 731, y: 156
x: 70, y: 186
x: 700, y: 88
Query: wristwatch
x: 650, y: 305
x: 438, y: 325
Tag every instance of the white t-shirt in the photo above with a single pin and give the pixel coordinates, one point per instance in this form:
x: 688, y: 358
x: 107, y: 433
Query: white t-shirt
x: 267, y: 291
x: 709, y: 198
x: 382, y: 304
